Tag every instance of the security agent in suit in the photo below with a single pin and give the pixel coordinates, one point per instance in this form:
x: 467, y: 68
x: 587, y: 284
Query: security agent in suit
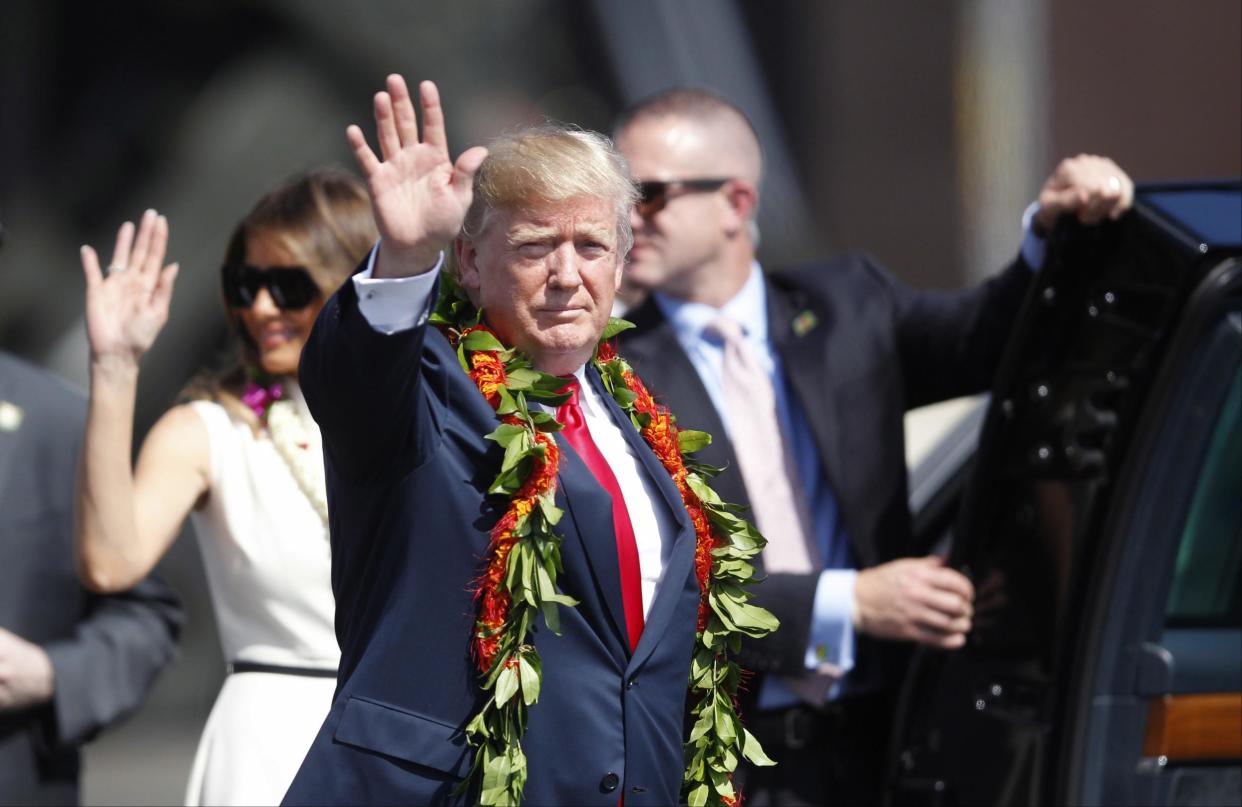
x: 846, y: 350
x: 71, y: 662
x: 408, y: 468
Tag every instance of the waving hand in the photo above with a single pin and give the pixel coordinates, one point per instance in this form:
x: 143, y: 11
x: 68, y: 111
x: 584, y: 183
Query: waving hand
x: 419, y: 196
x: 127, y: 307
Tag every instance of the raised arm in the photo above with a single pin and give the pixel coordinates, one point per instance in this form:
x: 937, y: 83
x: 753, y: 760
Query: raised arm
x: 359, y: 376
x: 125, y: 521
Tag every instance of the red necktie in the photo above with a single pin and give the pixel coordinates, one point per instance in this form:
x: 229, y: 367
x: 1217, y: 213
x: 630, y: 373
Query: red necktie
x: 575, y: 431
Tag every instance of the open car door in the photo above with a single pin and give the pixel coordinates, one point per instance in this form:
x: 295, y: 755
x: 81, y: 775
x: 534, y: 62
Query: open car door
x: 1102, y: 526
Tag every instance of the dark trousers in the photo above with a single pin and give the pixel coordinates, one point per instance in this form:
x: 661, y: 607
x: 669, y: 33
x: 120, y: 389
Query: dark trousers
x: 832, y: 755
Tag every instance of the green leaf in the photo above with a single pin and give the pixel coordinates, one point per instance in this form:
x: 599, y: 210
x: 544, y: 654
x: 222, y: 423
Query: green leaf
x: 530, y: 681
x: 615, y: 326
x: 624, y: 397
x: 690, y: 441
x: 753, y: 751
x: 721, y: 784
x: 725, y: 728
x: 507, y: 405
x: 506, y: 685
x: 482, y: 340
x: 698, y: 796
x: 551, y: 513
x: 545, y: 422
x: 701, y: 726
x: 505, y: 434
x: 521, y: 378
x: 551, y: 617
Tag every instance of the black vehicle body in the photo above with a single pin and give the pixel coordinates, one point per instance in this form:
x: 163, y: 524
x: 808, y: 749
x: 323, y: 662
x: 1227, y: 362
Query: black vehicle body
x: 1101, y: 523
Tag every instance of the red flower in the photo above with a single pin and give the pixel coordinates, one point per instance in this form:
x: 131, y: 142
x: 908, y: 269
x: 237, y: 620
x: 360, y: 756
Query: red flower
x: 488, y: 374
x: 490, y: 592
x: 543, y: 472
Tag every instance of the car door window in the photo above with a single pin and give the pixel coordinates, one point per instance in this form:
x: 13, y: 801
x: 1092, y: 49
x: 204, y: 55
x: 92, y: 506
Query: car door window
x: 1205, y: 590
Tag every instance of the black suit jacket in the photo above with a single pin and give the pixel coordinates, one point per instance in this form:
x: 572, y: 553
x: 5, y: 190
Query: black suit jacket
x: 858, y: 350
x: 105, y: 651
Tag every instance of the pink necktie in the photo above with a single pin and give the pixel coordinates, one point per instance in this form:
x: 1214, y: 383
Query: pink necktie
x: 773, y: 484
x: 764, y: 457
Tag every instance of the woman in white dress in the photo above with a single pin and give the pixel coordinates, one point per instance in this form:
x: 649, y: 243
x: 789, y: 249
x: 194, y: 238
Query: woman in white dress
x: 242, y: 458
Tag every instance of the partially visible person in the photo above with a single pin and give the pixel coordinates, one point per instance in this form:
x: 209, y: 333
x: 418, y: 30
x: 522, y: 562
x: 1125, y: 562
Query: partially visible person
x: 803, y: 377
x: 242, y: 459
x: 72, y: 663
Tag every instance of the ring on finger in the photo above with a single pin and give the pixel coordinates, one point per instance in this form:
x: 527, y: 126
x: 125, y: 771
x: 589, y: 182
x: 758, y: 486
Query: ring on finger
x: 116, y: 268
x: 1114, y: 183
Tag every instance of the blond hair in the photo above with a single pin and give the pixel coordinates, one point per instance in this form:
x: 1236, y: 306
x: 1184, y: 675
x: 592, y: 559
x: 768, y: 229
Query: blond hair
x: 552, y: 162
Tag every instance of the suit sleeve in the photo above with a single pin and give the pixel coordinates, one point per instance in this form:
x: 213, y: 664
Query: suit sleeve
x: 790, y: 598
x: 363, y: 387
x: 951, y: 342
x: 103, y: 671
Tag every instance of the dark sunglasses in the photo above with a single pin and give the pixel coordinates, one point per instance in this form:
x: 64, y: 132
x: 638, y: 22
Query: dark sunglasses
x: 654, y: 194
x: 291, y: 287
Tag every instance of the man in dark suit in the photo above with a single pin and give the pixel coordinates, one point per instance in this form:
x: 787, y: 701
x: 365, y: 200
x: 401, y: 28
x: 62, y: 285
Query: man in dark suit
x: 803, y: 378
x: 71, y: 662
x: 408, y: 468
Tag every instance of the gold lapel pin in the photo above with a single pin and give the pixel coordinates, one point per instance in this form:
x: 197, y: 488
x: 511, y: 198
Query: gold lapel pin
x: 10, y: 416
x: 804, y: 323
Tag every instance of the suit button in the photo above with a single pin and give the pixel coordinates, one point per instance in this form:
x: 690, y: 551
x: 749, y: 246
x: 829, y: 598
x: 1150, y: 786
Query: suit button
x: 609, y: 782
x: 630, y: 684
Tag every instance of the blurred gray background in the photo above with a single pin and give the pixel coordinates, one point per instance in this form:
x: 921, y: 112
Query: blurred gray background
x: 916, y: 130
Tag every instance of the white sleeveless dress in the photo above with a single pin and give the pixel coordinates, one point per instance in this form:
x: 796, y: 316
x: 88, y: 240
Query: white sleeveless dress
x: 266, y: 554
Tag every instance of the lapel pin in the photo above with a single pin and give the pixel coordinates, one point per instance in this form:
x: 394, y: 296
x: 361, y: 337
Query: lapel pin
x: 804, y: 323
x: 10, y: 416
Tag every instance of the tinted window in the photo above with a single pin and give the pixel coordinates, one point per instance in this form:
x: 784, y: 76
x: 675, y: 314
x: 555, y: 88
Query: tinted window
x: 1205, y: 590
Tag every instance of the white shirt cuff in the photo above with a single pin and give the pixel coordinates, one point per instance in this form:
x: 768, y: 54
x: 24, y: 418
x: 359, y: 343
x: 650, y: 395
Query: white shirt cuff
x: 392, y: 304
x: 1033, y: 247
x: 831, y: 647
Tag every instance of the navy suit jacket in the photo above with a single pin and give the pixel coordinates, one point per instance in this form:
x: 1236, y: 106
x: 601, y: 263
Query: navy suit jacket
x: 858, y: 349
x: 407, y: 470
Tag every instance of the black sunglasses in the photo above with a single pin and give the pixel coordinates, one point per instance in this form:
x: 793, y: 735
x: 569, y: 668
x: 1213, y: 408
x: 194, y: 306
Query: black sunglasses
x: 654, y: 194
x: 291, y: 287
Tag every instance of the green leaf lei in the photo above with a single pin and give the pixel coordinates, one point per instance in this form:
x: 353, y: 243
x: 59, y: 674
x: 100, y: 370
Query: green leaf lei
x: 524, y: 560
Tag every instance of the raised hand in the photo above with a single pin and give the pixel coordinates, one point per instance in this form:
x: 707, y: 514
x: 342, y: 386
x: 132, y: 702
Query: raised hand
x: 1090, y: 187
x: 128, y: 307
x: 419, y: 196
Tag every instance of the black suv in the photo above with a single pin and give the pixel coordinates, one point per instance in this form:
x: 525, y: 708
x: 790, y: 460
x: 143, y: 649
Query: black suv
x: 1101, y: 521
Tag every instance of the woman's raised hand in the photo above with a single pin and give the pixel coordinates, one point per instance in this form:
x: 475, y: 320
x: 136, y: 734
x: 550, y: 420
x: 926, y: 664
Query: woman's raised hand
x: 419, y: 195
x: 127, y: 306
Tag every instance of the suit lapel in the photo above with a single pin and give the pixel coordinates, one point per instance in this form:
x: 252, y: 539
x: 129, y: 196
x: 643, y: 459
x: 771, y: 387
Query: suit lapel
x: 799, y: 326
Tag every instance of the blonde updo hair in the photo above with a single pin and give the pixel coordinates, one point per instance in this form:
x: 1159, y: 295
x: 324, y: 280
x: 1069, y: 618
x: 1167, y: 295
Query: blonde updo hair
x: 552, y: 162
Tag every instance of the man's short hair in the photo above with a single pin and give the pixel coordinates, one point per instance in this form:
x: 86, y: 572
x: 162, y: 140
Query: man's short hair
x: 552, y: 162
x: 692, y: 103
